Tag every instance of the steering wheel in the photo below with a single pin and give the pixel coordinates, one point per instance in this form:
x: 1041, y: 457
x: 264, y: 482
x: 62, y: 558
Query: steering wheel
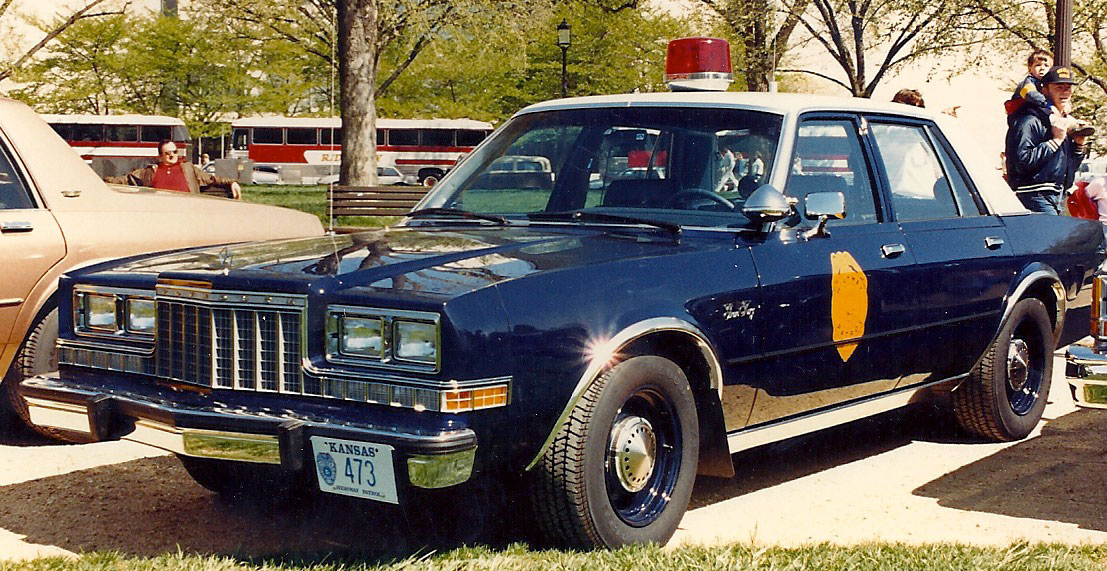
x: 687, y: 195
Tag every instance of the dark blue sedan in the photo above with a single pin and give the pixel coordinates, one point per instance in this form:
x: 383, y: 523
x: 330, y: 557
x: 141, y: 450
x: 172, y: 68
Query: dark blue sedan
x: 702, y: 274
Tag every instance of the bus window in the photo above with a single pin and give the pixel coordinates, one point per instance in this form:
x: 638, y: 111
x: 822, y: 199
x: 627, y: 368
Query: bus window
x: 155, y: 133
x: 301, y: 136
x: 470, y: 137
x: 240, y: 139
x: 403, y: 137
x: 325, y: 136
x: 121, y: 133
x: 268, y: 135
x: 84, y: 132
x: 438, y: 138
x: 64, y: 130
x: 380, y: 136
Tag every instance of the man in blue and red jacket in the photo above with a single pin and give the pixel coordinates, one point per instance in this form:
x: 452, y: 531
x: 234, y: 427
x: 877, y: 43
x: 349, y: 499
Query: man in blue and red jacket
x: 1042, y: 155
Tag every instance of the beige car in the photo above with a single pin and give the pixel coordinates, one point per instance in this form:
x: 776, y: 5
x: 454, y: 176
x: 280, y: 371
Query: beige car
x: 57, y: 215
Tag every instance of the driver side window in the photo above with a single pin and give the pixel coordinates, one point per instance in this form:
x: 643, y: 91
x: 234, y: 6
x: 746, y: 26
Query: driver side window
x: 828, y: 158
x: 13, y: 194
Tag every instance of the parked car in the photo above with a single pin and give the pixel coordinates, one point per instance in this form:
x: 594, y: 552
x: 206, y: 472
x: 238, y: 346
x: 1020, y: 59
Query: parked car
x: 386, y: 176
x: 518, y: 171
x: 583, y: 353
x: 56, y: 215
x: 266, y: 174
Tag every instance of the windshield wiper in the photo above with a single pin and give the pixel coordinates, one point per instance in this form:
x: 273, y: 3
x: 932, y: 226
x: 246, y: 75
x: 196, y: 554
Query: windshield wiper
x: 458, y: 213
x: 581, y: 215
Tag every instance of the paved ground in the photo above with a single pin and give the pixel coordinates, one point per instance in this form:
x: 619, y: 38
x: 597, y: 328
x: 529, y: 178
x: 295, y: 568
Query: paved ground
x: 898, y: 477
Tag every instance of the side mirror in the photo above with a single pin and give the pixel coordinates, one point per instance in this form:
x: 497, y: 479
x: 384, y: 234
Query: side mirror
x: 824, y: 206
x: 828, y: 204
x: 767, y: 205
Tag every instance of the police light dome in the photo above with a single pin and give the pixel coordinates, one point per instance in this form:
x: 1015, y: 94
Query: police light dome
x: 698, y: 64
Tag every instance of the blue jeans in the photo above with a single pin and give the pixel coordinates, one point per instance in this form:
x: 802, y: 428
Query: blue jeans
x: 1044, y: 202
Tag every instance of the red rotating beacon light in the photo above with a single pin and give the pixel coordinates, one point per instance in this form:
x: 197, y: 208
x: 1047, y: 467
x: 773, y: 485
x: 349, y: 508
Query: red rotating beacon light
x: 698, y: 64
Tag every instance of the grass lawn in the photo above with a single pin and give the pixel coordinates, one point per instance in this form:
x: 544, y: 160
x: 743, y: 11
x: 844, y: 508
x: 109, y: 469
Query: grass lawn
x: 882, y: 557
x: 312, y: 199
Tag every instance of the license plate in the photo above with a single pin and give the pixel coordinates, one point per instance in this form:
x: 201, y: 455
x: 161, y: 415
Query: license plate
x: 358, y: 469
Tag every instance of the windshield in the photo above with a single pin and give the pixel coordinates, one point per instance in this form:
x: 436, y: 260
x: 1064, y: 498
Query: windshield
x: 684, y: 165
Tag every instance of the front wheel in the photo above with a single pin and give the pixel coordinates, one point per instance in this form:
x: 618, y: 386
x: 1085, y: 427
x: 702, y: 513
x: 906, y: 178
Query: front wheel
x: 621, y: 470
x: 38, y: 355
x: 1004, y: 396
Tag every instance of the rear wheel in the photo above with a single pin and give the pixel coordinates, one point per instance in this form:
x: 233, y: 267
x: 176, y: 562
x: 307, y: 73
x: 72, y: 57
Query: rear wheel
x: 1004, y: 396
x: 621, y: 470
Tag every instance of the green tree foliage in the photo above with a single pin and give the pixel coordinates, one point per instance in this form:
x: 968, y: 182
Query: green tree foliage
x: 505, y: 63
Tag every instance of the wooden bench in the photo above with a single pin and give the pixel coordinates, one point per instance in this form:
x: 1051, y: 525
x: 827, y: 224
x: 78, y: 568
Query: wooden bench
x: 372, y: 200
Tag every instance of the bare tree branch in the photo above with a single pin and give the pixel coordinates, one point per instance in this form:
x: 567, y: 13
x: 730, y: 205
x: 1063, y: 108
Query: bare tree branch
x: 77, y: 16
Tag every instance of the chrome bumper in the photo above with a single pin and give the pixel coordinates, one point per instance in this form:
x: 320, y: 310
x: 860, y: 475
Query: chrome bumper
x: 433, y: 461
x: 1086, y: 373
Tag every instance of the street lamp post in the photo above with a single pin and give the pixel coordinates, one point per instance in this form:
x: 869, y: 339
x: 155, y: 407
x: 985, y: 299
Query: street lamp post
x: 564, y: 38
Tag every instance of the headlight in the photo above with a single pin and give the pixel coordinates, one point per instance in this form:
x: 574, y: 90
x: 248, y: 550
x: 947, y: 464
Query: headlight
x: 361, y: 336
x: 377, y: 337
x: 116, y: 312
x: 141, y: 316
x: 99, y: 312
x: 416, y: 341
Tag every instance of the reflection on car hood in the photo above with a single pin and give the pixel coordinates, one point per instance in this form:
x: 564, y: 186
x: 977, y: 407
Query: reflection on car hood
x: 433, y: 261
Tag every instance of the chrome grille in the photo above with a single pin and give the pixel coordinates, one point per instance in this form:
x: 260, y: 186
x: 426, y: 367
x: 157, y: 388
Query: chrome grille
x: 224, y: 345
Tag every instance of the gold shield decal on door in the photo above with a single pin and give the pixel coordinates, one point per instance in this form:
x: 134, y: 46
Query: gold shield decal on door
x: 849, y: 301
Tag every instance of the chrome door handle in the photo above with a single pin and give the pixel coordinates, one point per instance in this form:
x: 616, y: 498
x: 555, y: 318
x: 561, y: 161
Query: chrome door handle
x: 7, y: 227
x: 993, y: 242
x: 892, y: 250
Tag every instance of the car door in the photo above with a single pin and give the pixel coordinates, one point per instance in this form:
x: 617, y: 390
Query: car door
x: 833, y: 304
x: 30, y: 244
x: 964, y: 262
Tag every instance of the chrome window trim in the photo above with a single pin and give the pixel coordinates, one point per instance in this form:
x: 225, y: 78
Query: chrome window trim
x: 389, y: 317
x: 621, y: 340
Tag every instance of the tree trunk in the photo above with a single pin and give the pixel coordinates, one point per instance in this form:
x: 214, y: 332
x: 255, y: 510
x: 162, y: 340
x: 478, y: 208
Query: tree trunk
x: 357, y: 72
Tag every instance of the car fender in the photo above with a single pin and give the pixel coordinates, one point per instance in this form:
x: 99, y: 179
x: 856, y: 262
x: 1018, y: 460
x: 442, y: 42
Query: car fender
x: 604, y: 357
x: 1042, y: 281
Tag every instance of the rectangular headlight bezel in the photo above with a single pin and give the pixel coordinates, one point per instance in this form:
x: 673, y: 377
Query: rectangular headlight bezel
x: 337, y: 315
x: 119, y: 328
x: 129, y: 327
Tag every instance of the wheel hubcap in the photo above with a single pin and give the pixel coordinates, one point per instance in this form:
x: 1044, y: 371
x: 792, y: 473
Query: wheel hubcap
x: 634, y: 452
x: 1018, y: 364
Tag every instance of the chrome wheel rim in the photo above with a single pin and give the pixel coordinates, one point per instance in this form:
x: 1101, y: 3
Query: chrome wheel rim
x: 634, y: 452
x: 1018, y: 364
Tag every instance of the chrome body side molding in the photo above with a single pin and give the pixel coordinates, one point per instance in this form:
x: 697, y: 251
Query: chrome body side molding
x: 807, y: 423
x: 602, y: 360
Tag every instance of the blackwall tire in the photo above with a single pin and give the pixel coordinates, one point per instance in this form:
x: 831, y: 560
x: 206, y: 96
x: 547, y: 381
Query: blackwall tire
x: 1004, y: 396
x: 621, y: 470
x: 38, y: 355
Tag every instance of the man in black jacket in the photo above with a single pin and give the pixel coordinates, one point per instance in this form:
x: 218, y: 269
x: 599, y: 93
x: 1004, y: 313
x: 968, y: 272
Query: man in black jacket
x: 1042, y: 153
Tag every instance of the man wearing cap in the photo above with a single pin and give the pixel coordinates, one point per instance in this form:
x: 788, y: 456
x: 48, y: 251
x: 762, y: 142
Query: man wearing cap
x: 1044, y: 145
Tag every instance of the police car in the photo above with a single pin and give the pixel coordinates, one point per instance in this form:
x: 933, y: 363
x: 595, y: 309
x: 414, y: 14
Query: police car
x: 581, y: 350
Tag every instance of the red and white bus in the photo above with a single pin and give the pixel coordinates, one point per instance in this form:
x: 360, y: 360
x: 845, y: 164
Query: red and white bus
x: 418, y: 148
x: 117, y: 144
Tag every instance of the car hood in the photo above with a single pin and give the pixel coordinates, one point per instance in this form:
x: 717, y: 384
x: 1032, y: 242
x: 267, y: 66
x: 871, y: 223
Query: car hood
x: 431, y: 261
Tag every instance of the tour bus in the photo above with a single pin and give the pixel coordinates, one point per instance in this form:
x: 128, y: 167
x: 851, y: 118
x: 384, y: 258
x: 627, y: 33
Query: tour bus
x: 309, y: 148
x: 116, y: 144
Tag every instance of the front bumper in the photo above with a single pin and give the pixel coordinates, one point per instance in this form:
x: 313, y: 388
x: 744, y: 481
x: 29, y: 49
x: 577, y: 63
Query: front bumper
x: 1086, y: 373
x: 189, y: 427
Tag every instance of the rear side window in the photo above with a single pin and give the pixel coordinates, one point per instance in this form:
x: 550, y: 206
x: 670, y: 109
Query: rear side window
x: 87, y: 132
x: 122, y: 133
x: 829, y: 158
x: 13, y: 193
x: 967, y: 203
x: 920, y: 189
x: 438, y: 138
x: 156, y: 133
x: 302, y: 137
